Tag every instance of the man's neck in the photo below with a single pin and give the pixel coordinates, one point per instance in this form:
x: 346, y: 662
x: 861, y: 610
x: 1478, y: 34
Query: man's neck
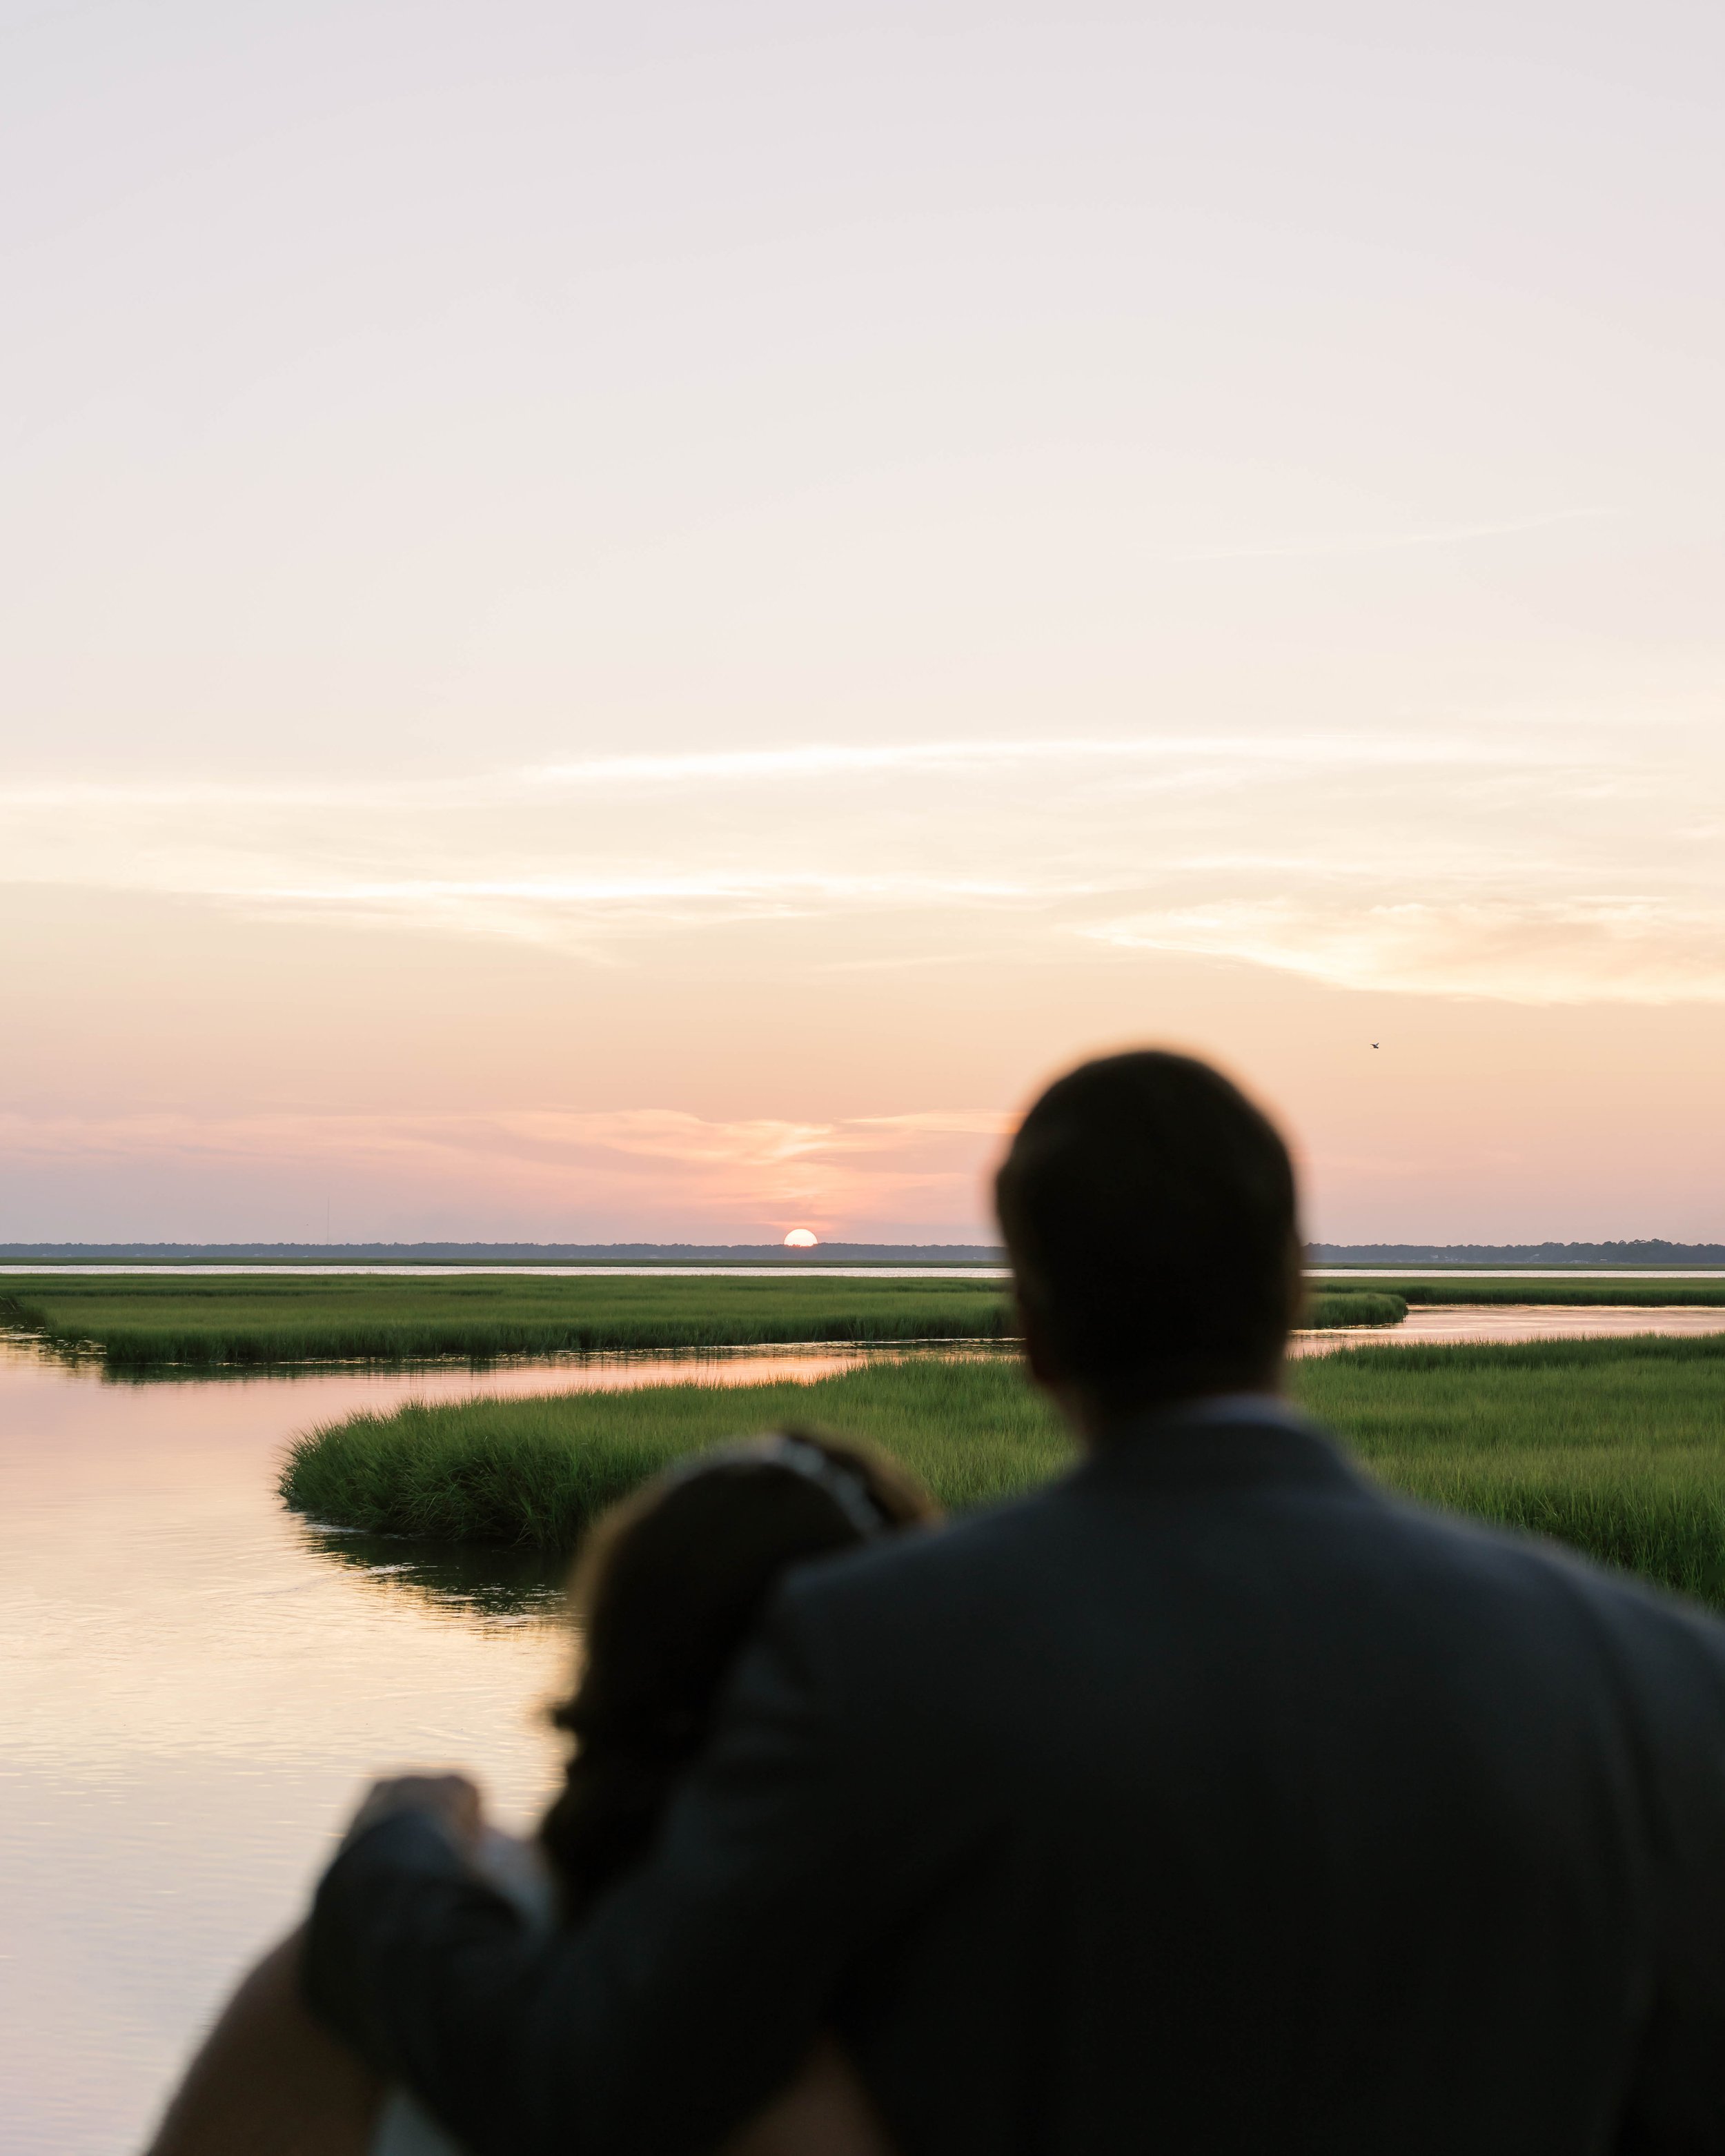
x: 1094, y: 1423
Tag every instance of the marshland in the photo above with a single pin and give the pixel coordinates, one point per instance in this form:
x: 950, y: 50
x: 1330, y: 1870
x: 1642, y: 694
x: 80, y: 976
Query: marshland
x: 181, y: 1637
x: 148, y: 1320
x: 1615, y: 1446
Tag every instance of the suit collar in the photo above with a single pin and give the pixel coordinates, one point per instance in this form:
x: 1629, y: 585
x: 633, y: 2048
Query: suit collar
x: 1222, y: 1441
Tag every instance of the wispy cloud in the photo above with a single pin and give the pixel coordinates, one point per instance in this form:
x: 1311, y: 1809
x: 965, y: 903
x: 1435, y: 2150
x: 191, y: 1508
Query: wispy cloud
x: 794, y: 763
x: 1317, y: 547
x: 896, y: 890
x: 1631, y: 949
x: 1420, y: 860
x: 773, y: 1173
x: 817, y: 761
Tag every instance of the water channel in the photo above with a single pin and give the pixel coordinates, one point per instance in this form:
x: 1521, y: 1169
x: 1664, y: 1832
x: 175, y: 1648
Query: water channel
x: 194, y: 1684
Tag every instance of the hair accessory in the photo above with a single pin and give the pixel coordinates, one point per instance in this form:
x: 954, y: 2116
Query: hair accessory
x: 843, y: 1485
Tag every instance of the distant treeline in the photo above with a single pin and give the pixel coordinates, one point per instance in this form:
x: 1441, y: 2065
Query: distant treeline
x: 444, y: 1254
x: 1652, y: 1252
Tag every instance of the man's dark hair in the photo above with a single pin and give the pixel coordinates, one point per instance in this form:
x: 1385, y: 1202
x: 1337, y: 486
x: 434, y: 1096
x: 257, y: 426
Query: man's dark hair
x: 1150, y: 1212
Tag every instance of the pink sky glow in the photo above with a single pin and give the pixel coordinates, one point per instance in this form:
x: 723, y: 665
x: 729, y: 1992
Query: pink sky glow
x: 631, y: 624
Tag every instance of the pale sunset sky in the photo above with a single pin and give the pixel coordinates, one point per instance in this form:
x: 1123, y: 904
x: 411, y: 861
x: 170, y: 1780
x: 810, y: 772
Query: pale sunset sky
x: 631, y: 622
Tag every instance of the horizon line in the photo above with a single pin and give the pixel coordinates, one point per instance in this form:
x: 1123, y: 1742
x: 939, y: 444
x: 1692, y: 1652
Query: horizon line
x: 1577, y: 1251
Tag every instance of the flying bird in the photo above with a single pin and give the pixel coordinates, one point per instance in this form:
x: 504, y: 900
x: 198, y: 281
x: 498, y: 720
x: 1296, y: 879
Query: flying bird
x: 1374, y: 1044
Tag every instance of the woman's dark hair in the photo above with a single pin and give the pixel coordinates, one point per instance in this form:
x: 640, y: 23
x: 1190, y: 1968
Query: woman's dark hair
x: 1149, y: 1209
x: 667, y: 1589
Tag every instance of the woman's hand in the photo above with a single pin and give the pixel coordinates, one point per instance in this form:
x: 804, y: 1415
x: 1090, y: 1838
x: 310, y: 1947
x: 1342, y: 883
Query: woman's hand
x: 826, y: 2111
x: 451, y: 1799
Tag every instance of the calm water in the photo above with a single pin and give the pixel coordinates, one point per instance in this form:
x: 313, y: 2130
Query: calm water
x: 194, y: 1684
x: 1366, y: 1275
x: 1509, y: 1320
x: 775, y: 1271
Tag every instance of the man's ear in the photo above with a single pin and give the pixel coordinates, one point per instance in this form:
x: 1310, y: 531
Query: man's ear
x: 1040, y: 1358
x: 1048, y: 1370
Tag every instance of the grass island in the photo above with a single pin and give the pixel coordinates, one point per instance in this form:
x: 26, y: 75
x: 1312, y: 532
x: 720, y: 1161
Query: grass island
x: 141, y: 1321
x: 1614, y: 1446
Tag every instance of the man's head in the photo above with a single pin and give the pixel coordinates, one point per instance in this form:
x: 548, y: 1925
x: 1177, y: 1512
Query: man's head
x: 1150, y: 1212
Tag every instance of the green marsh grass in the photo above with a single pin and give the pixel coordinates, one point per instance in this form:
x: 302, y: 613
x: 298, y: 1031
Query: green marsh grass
x: 536, y: 1470
x: 143, y: 1320
x: 1614, y: 1446
x: 1325, y: 1309
x: 137, y: 1321
x: 1459, y: 1287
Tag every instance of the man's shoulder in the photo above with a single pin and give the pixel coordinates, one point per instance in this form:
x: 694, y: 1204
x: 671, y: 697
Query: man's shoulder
x: 1430, y: 1565
x: 924, y: 1567
x: 1522, y: 1580
x: 1635, y: 1621
x: 1475, y: 1548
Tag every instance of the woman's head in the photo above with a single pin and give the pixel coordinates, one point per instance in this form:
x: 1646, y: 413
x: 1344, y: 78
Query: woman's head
x: 668, y: 1588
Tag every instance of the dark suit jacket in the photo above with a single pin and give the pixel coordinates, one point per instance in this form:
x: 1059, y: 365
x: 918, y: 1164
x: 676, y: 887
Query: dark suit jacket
x: 1205, y: 1801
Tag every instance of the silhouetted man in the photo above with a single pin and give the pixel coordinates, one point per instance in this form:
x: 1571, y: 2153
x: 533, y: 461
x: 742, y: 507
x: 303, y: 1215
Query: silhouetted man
x: 1206, y: 1800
